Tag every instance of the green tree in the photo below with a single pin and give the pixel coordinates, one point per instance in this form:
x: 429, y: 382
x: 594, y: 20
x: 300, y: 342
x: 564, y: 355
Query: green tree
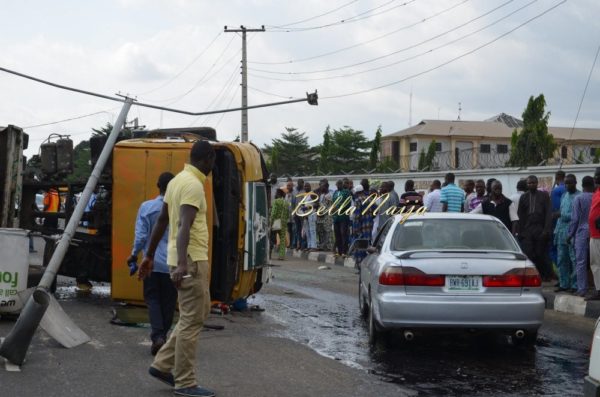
x: 375, y: 149
x: 291, y: 154
x: 426, y: 159
x: 387, y: 166
x: 125, y: 133
x: 81, y: 162
x: 533, y: 144
x: 349, y: 151
x: 325, y: 153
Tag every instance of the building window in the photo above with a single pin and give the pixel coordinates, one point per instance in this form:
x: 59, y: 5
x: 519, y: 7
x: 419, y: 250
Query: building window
x: 438, y: 146
x: 502, y: 148
x: 485, y: 148
x: 593, y: 151
x: 413, y: 146
x: 563, y: 152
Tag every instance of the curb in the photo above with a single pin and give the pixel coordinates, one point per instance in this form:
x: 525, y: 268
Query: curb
x: 321, y: 257
x: 563, y: 303
x: 571, y: 304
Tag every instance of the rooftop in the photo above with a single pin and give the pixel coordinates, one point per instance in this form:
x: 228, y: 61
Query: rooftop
x: 499, y: 126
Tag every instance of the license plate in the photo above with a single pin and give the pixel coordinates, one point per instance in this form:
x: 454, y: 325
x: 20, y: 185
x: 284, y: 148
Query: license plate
x: 463, y: 283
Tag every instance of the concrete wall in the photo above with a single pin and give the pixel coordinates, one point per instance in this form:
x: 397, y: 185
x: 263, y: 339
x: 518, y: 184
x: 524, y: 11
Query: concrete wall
x: 508, y: 176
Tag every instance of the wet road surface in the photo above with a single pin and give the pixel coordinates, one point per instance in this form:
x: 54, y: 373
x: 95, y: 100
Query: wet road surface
x: 319, y: 309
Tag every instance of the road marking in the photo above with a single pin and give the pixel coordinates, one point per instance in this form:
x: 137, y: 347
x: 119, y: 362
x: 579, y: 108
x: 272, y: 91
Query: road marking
x: 10, y: 367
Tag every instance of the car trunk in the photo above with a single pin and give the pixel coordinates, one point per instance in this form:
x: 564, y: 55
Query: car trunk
x: 463, y: 271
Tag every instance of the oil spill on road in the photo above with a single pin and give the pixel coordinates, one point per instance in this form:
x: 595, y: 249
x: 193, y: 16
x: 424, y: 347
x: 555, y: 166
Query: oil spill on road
x: 433, y: 364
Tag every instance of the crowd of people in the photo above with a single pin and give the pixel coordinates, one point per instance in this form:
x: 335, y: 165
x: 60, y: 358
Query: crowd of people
x: 559, y: 230
x: 332, y: 228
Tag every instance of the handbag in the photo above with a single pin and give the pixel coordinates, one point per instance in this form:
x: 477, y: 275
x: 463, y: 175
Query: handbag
x: 276, y: 225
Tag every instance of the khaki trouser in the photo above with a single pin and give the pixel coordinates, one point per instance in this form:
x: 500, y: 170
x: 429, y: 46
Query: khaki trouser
x: 595, y: 261
x: 178, y: 355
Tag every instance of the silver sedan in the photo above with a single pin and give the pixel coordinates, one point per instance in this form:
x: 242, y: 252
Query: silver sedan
x: 444, y: 270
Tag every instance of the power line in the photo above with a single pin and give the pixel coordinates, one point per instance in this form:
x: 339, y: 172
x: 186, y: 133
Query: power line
x: 394, y: 52
x: 221, y: 97
x: 185, y: 68
x: 325, y: 54
x: 269, y: 93
x: 226, y: 85
x: 412, y: 57
x: 315, y: 17
x: 359, y: 17
x: 310, y: 98
x: 450, y: 60
x: 229, y: 104
x: 203, y: 79
x: 583, y: 95
x: 69, y: 119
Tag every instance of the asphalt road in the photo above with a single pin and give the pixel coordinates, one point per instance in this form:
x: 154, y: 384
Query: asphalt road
x: 309, y: 341
x: 248, y: 357
x: 319, y: 309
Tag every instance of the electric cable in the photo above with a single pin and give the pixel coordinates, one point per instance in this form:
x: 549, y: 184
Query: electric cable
x: 412, y: 57
x: 229, y: 104
x: 310, y: 98
x: 221, y: 98
x: 196, y: 58
x: 203, y: 79
x: 587, y: 83
x: 359, y: 17
x: 450, y: 60
x: 394, y: 52
x: 227, y: 86
x: 325, y: 54
x: 69, y: 119
x: 314, y: 17
x: 269, y: 93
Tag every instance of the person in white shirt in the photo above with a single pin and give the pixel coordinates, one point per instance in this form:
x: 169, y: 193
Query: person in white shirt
x: 521, y: 188
x: 432, y: 199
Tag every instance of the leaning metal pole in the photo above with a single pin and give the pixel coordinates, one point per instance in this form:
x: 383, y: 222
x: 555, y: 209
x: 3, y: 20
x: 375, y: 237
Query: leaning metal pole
x: 17, y: 342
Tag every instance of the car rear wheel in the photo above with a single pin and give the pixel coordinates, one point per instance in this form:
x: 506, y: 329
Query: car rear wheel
x: 375, y: 332
x: 362, y: 305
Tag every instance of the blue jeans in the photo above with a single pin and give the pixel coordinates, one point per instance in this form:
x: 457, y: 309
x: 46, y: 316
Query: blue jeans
x: 161, y: 297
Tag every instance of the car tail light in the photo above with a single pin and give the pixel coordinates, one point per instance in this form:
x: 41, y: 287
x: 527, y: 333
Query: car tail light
x: 520, y: 277
x: 532, y: 278
x: 392, y: 276
x: 410, y: 276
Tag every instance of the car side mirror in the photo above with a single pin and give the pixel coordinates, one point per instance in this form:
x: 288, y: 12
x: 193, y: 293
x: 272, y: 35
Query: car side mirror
x: 371, y: 250
x: 359, y: 245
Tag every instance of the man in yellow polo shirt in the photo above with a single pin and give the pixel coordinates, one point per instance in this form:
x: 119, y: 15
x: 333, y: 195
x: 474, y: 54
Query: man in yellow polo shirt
x: 184, y: 211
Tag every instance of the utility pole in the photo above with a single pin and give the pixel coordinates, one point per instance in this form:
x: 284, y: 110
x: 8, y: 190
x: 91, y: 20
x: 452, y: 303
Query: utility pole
x: 243, y: 30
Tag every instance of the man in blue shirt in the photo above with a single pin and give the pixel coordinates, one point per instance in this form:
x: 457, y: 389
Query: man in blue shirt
x: 159, y: 292
x: 555, y: 196
x: 566, y: 252
x: 452, y: 197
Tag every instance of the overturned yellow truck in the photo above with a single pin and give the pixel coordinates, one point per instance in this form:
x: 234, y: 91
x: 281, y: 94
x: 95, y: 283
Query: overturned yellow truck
x: 237, y: 215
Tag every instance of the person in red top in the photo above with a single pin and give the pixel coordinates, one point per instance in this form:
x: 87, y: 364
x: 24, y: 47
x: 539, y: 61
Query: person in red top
x: 594, y: 223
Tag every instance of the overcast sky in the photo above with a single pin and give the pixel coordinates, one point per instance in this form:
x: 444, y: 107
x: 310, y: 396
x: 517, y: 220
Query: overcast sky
x: 174, y: 53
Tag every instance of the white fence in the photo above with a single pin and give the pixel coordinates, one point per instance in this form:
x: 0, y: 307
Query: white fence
x: 508, y: 176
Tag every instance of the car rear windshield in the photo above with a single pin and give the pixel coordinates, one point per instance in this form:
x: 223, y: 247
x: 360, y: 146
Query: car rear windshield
x: 433, y: 234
